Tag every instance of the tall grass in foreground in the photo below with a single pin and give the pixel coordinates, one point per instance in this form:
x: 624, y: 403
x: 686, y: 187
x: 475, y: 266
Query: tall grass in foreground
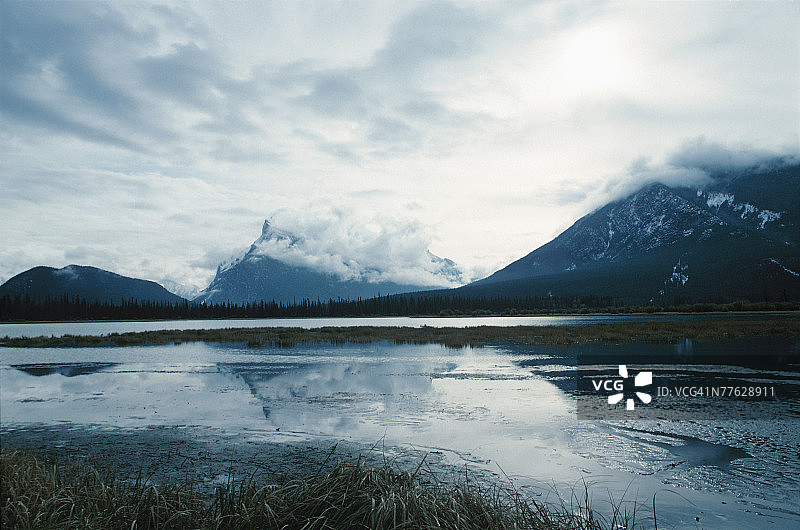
x: 45, y: 492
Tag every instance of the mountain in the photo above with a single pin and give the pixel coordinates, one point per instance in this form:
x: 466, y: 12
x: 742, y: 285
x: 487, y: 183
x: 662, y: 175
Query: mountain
x: 735, y: 238
x: 90, y: 283
x: 184, y: 291
x: 279, y: 267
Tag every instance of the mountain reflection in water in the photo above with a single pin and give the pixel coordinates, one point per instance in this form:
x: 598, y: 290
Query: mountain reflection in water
x: 507, y: 409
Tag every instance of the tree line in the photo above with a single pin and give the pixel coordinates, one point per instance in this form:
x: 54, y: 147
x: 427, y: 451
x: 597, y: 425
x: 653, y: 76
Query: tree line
x: 67, y: 308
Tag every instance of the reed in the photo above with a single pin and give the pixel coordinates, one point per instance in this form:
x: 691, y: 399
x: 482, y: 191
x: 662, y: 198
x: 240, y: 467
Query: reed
x: 45, y: 491
x: 652, y: 332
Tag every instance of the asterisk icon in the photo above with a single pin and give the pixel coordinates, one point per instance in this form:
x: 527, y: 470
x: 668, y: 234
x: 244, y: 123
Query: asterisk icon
x: 641, y: 379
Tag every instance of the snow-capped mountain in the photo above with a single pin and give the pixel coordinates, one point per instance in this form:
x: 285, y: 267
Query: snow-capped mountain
x: 734, y: 238
x: 288, y: 268
x: 89, y: 283
x: 184, y: 291
x: 653, y: 218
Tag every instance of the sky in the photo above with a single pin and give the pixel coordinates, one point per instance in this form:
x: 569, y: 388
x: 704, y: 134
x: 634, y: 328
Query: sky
x: 154, y: 139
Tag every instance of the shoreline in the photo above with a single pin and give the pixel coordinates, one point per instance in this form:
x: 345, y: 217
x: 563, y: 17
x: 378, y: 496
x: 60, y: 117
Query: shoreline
x: 203, y: 455
x: 202, y: 463
x: 776, y: 312
x: 660, y: 332
x: 204, y: 467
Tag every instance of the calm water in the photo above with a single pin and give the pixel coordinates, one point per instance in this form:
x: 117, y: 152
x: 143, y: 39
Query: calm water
x: 505, y: 409
x: 101, y: 328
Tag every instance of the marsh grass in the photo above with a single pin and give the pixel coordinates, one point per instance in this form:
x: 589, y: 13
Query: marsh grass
x: 652, y: 332
x: 45, y: 491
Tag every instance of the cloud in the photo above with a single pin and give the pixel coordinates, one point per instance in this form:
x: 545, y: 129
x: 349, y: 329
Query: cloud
x: 212, y: 258
x: 337, y: 93
x: 642, y: 172
x: 714, y: 158
x: 354, y: 247
x: 695, y: 162
x: 168, y: 130
x: 81, y: 255
x: 431, y: 34
x: 395, y: 133
x: 36, y: 114
x: 186, y: 73
x: 58, y: 76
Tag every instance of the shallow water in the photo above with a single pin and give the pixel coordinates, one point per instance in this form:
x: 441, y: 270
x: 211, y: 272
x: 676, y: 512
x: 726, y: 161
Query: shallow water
x: 507, y: 410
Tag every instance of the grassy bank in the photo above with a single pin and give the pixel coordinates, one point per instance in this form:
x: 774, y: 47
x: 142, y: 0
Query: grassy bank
x: 45, y: 492
x: 654, y: 332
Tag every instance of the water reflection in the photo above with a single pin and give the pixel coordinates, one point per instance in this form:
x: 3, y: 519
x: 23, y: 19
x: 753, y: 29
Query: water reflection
x: 689, y: 450
x: 65, y: 369
x: 768, y: 365
x: 502, y: 407
x: 123, y: 395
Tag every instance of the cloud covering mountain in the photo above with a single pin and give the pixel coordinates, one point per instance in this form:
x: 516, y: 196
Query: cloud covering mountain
x: 337, y: 242
x: 325, y: 259
x: 697, y: 162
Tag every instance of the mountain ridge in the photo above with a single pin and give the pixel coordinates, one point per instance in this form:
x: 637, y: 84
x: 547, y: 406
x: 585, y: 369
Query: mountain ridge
x: 735, y: 237
x: 89, y: 283
x: 693, y: 238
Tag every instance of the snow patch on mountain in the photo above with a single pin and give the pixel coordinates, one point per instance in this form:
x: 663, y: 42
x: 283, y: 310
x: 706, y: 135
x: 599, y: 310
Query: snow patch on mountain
x: 767, y: 216
x: 779, y: 264
x: 678, y: 278
x: 184, y: 291
x: 745, y: 210
x: 229, y: 264
x: 715, y: 200
x: 631, y: 227
x: 70, y: 272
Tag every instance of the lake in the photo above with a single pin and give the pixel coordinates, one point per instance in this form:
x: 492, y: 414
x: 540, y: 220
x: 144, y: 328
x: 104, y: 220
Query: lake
x: 47, y: 329
x: 502, y: 410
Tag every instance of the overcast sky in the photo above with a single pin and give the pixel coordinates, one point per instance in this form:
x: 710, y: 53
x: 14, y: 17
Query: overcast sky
x: 154, y: 139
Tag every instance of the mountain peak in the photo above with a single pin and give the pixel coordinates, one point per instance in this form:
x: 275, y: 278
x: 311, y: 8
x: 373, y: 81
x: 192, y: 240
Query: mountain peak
x: 270, y: 233
x: 724, y: 233
x: 653, y: 217
x: 331, y: 263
